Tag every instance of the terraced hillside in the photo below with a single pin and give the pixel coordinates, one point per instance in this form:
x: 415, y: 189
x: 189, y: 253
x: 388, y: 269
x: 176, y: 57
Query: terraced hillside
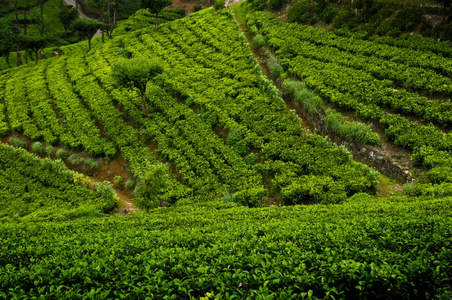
x: 405, y: 88
x: 220, y: 125
x: 227, y: 142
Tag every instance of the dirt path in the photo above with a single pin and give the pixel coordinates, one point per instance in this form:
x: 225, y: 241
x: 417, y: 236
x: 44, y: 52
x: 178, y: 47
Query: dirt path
x: 82, y: 15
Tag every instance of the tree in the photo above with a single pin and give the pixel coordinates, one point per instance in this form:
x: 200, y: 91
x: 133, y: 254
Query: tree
x: 150, y: 185
x: 33, y: 43
x: 87, y: 28
x: 68, y: 14
x: 155, y: 6
x: 137, y: 72
x: 6, y: 38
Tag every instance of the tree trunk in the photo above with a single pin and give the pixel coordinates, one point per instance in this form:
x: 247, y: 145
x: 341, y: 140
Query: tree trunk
x: 18, y: 52
x: 42, y: 17
x: 76, y: 4
x: 26, y: 57
x: 89, y: 43
x: 143, y: 102
x: 17, y: 33
x: 25, y: 23
x: 37, y: 56
x: 156, y: 21
x: 103, y: 36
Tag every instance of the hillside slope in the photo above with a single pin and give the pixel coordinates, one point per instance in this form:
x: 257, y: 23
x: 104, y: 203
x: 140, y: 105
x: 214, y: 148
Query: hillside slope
x: 217, y: 121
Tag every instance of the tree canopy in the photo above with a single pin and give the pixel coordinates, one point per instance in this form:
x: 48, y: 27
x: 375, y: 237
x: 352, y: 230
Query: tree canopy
x: 137, y: 72
x: 155, y: 6
x: 68, y: 14
x: 87, y: 28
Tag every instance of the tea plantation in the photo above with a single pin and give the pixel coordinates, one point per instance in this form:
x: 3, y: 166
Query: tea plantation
x: 231, y: 152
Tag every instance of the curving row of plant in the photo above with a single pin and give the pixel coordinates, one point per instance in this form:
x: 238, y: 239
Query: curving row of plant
x: 43, y: 188
x: 414, y: 58
x: 357, y: 90
x: 227, y: 86
x: 365, y: 249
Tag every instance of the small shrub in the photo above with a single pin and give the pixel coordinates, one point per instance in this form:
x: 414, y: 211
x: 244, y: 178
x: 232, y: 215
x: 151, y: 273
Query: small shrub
x: 129, y: 184
x: 18, y: 143
x: 359, y: 132
x: 50, y: 150
x: 62, y: 154
x: 108, y: 195
x: 219, y: 4
x: 274, y: 67
x: 259, y: 4
x: 302, y: 12
x: 252, y: 197
x: 407, y: 19
x: 197, y: 7
x: 73, y: 159
x: 210, y: 118
x: 228, y: 198
x: 328, y: 14
x: 251, y: 159
x: 253, y: 29
x: 345, y: 19
x: 117, y: 180
x: 94, y: 164
x: 259, y: 40
x: 38, y: 147
x: 276, y: 4
x: 289, y: 86
x: 308, y: 100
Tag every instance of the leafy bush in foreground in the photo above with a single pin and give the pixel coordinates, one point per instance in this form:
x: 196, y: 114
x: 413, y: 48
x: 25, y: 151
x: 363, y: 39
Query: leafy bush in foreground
x: 365, y: 249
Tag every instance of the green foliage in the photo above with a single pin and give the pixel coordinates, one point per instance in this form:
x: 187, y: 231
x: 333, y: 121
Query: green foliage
x: 150, y: 185
x: 219, y: 4
x: 129, y: 184
x: 355, y: 250
x: 259, y: 4
x: 259, y: 40
x: 274, y: 67
x: 42, y: 189
x: 276, y: 4
x: 307, y: 98
x: 197, y: 7
x: 302, y: 12
x: 137, y: 71
x: 407, y: 19
x: 62, y: 154
x: 92, y: 163
x: 250, y: 197
x: 107, y: 195
x: 38, y: 147
x: 86, y: 28
x: 359, y: 132
x: 18, y: 143
x: 345, y: 19
x: 68, y: 14
x: 50, y: 150
x: 73, y: 159
x: 118, y: 180
x: 156, y: 6
x: 6, y: 38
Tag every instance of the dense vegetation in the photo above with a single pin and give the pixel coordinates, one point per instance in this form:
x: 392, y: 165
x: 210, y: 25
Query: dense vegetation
x: 34, y: 188
x: 378, y: 81
x: 217, y: 139
x: 364, y: 249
